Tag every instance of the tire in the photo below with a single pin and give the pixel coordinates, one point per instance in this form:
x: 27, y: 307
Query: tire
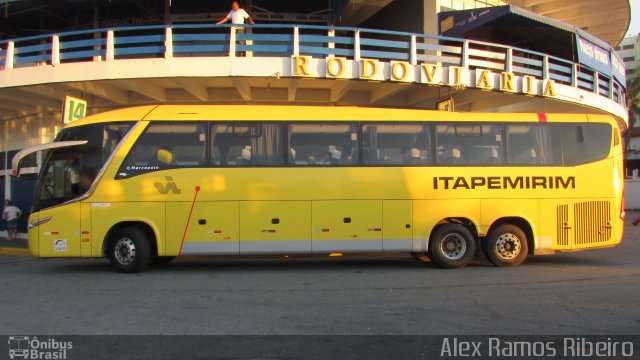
x: 129, y: 250
x: 506, y: 245
x: 161, y: 260
x: 451, y: 246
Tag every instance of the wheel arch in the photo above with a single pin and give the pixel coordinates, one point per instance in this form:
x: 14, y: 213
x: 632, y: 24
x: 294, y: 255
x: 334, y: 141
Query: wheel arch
x: 522, y: 223
x: 148, y: 229
x: 467, y: 222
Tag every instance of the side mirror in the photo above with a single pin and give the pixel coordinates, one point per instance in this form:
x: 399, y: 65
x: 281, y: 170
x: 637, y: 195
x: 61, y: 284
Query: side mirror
x: 15, y: 162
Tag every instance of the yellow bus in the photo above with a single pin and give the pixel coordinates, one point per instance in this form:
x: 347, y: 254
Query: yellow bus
x: 147, y: 184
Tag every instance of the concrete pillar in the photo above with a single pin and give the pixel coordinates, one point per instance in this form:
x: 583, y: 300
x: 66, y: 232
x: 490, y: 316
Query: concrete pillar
x: 96, y: 36
x: 430, y: 24
x: 431, y: 9
x: 167, y: 12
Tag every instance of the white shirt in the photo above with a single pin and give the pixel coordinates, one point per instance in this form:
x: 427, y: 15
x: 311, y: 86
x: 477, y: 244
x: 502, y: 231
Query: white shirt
x: 237, y: 17
x: 11, y: 212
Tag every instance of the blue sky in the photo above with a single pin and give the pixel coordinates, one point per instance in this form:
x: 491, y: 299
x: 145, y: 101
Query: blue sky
x: 634, y: 27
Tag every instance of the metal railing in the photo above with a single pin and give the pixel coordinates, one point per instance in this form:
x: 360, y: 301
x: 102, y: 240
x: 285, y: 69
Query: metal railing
x: 204, y: 40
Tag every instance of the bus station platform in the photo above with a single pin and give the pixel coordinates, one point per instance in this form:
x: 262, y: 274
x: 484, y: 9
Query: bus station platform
x: 15, y: 247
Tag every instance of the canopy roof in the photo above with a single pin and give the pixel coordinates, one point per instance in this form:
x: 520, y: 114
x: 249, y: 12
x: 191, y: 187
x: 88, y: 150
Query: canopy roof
x: 511, y: 25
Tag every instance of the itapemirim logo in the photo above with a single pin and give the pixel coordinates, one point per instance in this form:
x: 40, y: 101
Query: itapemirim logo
x: 26, y: 347
x: 170, y: 186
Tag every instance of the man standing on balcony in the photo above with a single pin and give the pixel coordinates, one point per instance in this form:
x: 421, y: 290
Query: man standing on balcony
x: 237, y: 16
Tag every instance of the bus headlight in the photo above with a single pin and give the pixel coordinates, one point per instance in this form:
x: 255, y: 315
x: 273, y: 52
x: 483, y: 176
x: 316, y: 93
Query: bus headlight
x: 39, y: 222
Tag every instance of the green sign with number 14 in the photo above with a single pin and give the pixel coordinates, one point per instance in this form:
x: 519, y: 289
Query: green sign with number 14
x: 73, y: 109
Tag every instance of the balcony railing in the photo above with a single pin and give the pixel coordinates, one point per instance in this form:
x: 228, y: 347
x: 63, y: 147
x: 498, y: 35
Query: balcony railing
x: 267, y: 40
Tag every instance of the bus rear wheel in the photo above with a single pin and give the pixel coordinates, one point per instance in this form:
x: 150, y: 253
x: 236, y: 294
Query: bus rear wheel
x: 451, y: 246
x: 129, y: 250
x: 506, y: 245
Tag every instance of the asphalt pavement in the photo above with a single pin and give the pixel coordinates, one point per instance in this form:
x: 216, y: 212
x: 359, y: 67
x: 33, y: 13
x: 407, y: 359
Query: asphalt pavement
x: 589, y: 292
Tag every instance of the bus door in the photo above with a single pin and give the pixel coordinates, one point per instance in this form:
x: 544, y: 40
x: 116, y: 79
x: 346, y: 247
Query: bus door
x: 281, y: 227
x: 347, y: 226
x: 397, y: 231
x: 60, y: 227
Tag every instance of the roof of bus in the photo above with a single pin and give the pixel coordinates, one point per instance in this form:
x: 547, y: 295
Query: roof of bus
x: 317, y: 113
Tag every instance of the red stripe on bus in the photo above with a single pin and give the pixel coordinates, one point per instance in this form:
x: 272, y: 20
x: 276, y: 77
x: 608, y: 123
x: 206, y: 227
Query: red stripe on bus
x: 189, y: 219
x: 542, y: 117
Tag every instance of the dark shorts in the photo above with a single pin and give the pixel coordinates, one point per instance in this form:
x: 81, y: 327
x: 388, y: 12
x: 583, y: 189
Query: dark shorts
x: 12, y: 224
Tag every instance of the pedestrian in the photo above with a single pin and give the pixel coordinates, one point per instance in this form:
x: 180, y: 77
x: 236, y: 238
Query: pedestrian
x: 11, y: 214
x: 237, y: 16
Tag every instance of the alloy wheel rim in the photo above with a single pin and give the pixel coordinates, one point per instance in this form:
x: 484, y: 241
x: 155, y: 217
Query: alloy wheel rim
x: 453, y: 247
x: 125, y: 251
x: 508, y: 246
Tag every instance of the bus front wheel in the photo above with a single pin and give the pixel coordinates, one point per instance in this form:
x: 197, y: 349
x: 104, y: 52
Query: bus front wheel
x: 451, y: 246
x: 129, y: 250
x: 506, y: 245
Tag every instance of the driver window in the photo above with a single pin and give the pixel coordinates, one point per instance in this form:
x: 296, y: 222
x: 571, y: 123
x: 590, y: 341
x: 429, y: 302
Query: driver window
x: 64, y: 180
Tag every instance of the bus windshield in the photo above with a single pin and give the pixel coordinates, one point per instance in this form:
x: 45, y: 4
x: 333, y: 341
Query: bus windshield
x: 68, y: 173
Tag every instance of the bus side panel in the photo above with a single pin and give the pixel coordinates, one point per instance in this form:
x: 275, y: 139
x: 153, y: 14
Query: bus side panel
x: 556, y: 229
x: 281, y: 227
x: 85, y: 229
x: 60, y: 237
x: 577, y: 225
x: 427, y: 214
x: 213, y: 228
x: 397, y: 232
x: 593, y: 223
x: 494, y: 209
x: 33, y: 236
x: 106, y: 215
x: 347, y: 226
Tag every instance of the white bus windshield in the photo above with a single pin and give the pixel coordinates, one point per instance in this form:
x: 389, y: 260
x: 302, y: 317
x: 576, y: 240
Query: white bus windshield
x: 68, y: 173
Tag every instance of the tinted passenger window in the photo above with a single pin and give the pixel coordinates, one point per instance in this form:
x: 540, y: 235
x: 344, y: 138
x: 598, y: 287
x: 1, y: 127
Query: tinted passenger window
x: 530, y: 145
x: 402, y: 144
x: 469, y: 144
x: 166, y: 146
x: 247, y: 145
x: 584, y: 143
x: 323, y: 144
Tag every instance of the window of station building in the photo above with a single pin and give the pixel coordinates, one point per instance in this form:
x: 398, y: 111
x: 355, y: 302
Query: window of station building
x: 531, y: 145
x: 584, y: 143
x: 449, y: 5
x: 247, y: 144
x: 628, y: 58
x: 627, y: 47
x: 396, y: 144
x: 323, y: 144
x: 469, y: 144
x: 166, y: 145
